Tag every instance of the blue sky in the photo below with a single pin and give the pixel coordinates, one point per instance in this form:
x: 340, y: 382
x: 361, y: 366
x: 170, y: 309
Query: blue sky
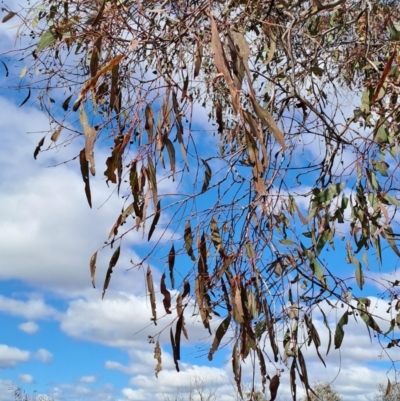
x: 59, y: 338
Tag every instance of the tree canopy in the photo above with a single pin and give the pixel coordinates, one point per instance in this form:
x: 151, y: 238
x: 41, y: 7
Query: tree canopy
x: 249, y: 140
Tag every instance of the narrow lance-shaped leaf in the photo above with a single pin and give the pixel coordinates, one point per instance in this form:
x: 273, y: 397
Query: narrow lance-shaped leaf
x: 339, y: 332
x: 166, y: 294
x: 93, y: 267
x: 388, y: 235
x: 171, y: 154
x: 149, y: 122
x: 219, y: 334
x: 171, y: 264
x: 197, y: 59
x: 174, y: 350
x: 8, y: 16
x: 113, y: 262
x: 85, y: 175
x: 237, y: 370
x: 189, y: 240
x: 37, y: 149
x: 27, y: 98
x: 155, y: 220
x: 152, y: 295
x: 207, y: 176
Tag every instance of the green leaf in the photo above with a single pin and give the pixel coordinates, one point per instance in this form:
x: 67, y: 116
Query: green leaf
x: 359, y: 274
x: 318, y: 271
x: 392, y: 200
x: 388, y: 235
x: 219, y: 334
x: 46, y: 40
x: 328, y: 194
x: 365, y: 101
x: 381, y: 167
x: 339, y: 332
x: 171, y: 155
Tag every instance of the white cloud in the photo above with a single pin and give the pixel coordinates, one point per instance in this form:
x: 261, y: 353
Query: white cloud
x: 11, y: 356
x: 88, y: 379
x: 29, y: 327
x: 34, y: 308
x: 44, y: 356
x: 25, y: 378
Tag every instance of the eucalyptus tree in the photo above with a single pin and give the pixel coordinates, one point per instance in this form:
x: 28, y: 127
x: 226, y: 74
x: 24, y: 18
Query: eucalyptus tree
x: 249, y: 140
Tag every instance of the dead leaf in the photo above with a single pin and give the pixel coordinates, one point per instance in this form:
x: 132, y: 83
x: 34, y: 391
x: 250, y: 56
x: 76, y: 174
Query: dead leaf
x: 85, y: 175
x: 171, y: 263
x: 90, y: 134
x: 37, y: 150
x: 166, y: 294
x: 93, y: 267
x: 113, y: 262
x: 157, y: 356
x: 152, y: 295
x: 56, y: 134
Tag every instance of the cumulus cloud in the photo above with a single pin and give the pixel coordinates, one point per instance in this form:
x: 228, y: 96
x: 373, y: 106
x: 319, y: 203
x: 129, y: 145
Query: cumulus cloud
x: 44, y: 356
x: 34, y: 308
x: 25, y: 378
x: 88, y: 379
x: 11, y: 356
x: 29, y: 327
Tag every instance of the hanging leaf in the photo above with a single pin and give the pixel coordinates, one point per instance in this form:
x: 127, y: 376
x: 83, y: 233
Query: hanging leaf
x: 149, y: 125
x: 155, y: 220
x: 219, y: 334
x: 27, y: 98
x: 339, y: 332
x: 186, y: 289
x: 56, y: 134
x: 46, y: 40
x: 171, y: 263
x: 237, y: 370
x: 171, y: 154
x: 90, y: 134
x: 197, y: 59
x: 152, y: 295
x: 37, y: 149
x: 95, y: 56
x: 85, y: 175
x: 66, y: 103
x: 388, y: 235
x: 93, y: 267
x: 189, y: 240
x: 157, y: 356
x: 207, y: 176
x: 388, y: 388
x: 166, y: 294
x: 113, y: 262
x: 359, y: 274
x: 8, y: 16
x: 174, y: 350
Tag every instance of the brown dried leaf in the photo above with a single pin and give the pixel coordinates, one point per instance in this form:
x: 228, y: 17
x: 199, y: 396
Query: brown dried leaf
x: 179, y: 128
x: 8, y: 16
x: 114, y: 162
x: 219, y: 334
x: 90, y: 134
x: 268, y: 120
x: 174, y: 350
x: 56, y: 134
x: 37, y: 150
x: 95, y: 56
x: 153, y: 179
x: 149, y: 125
x: 218, y: 116
x: 155, y: 220
x: 207, y: 176
x: 85, y: 175
x: 186, y: 288
x: 388, y: 388
x: 197, y: 59
x: 171, y: 154
x: 93, y: 267
x: 152, y: 295
x: 171, y: 263
x: 157, y: 356
x: 113, y: 262
x: 189, y: 240
x: 166, y: 294
x: 121, y: 220
x: 237, y: 369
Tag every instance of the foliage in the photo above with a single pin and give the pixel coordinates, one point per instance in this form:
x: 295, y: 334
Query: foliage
x: 323, y: 392
x: 389, y: 391
x: 302, y: 159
